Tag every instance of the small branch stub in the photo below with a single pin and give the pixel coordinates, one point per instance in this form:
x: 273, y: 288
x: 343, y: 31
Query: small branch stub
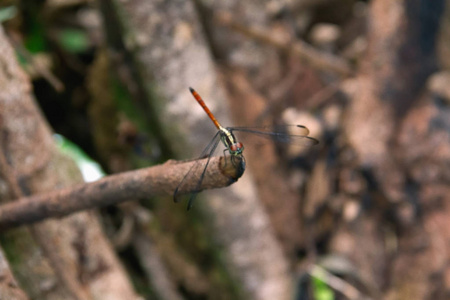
x: 159, y: 180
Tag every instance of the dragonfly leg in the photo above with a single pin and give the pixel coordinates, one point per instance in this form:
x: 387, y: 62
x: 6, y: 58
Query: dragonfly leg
x: 199, y: 184
x: 207, y: 153
x: 224, y: 154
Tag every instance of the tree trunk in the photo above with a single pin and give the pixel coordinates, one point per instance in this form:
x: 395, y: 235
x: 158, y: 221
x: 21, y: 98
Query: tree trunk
x: 172, y: 56
x: 68, y: 258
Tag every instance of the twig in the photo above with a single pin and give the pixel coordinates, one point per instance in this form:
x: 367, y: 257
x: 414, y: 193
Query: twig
x: 158, y: 275
x: 318, y: 59
x: 38, y: 66
x: 323, y: 95
x: 176, y: 270
x: 143, y: 183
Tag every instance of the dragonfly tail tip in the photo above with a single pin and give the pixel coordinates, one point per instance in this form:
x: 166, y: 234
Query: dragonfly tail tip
x: 191, y: 89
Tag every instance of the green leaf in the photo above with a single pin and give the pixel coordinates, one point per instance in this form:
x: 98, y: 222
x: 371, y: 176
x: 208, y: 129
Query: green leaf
x: 73, y: 40
x: 321, y: 290
x: 90, y: 169
x: 7, y: 13
x: 35, y: 42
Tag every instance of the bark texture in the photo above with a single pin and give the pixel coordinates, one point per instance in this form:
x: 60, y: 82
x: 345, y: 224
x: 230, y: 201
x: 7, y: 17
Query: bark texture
x: 57, y: 259
x: 145, y: 183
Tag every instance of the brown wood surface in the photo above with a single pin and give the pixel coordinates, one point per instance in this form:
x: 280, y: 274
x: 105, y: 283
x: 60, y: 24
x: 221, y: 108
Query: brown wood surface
x: 31, y: 164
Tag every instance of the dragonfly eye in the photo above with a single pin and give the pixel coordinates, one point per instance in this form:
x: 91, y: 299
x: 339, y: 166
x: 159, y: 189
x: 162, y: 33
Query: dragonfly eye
x: 237, y: 148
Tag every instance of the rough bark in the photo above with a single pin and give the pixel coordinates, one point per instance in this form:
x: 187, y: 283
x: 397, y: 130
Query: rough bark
x: 9, y: 288
x: 145, y: 183
x: 56, y: 259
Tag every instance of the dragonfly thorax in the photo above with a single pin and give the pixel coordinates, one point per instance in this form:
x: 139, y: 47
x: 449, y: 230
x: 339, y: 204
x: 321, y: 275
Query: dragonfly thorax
x: 230, y: 142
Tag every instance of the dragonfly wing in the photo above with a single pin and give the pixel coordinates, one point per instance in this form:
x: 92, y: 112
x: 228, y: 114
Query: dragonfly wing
x: 290, y: 134
x: 202, y: 176
x: 207, y: 152
x: 295, y: 129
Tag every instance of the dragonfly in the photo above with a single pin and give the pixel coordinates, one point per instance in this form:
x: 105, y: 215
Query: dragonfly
x: 279, y: 133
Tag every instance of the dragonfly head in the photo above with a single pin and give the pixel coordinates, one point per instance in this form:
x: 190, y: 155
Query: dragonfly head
x: 236, y: 148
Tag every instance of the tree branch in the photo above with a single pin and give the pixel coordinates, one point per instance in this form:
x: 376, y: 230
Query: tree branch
x: 144, y: 183
x: 321, y: 60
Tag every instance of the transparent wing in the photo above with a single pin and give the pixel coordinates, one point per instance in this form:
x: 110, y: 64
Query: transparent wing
x: 207, y: 152
x: 291, y: 134
x: 199, y: 182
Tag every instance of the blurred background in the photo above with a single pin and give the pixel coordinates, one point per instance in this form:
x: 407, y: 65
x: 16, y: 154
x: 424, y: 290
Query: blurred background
x: 361, y: 215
